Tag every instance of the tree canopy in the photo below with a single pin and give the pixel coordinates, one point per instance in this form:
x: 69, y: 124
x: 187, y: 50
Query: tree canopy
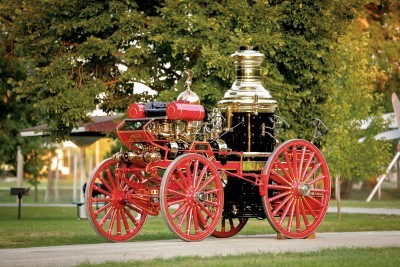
x: 71, y: 51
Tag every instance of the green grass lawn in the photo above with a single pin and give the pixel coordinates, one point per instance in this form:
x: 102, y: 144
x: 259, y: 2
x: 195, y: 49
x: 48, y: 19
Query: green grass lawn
x: 343, y: 257
x: 52, y: 226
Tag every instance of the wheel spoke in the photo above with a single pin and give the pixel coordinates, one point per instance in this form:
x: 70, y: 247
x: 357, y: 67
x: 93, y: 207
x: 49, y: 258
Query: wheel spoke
x: 208, y: 212
x: 279, y: 207
x: 195, y: 220
x: 189, y: 175
x: 99, y: 189
x: 279, y: 187
x: 279, y: 179
x: 298, y: 223
x: 183, y: 178
x: 174, y: 192
x: 201, y: 176
x: 119, y: 223
x: 110, y: 178
x: 183, y: 217
x: 291, y: 214
x: 281, y: 195
x: 175, y: 181
x: 195, y: 174
x: 112, y: 220
x: 179, y: 211
x: 303, y: 152
x: 97, y: 212
x: 283, y: 169
x: 201, y: 218
x: 311, y: 157
x: 303, y: 213
x: 289, y: 166
x: 189, y: 220
x: 319, y: 204
x: 294, y: 161
x: 206, y: 182
x: 310, y: 209
x: 105, y: 183
x: 319, y: 178
x: 316, y: 190
x: 129, y: 214
x: 311, y: 172
x: 286, y: 210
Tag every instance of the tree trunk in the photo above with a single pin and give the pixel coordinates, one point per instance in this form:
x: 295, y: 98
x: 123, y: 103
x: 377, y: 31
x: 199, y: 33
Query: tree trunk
x: 49, y: 186
x: 337, y: 195
x: 36, y: 193
x: 398, y: 174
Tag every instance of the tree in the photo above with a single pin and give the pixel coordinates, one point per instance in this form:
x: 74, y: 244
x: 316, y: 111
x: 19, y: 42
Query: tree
x: 381, y: 20
x: 15, y: 114
x: 352, y: 153
x: 72, y: 50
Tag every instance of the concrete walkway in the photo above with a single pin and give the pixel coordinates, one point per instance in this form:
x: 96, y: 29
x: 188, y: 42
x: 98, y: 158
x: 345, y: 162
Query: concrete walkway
x: 366, y: 210
x: 97, y: 253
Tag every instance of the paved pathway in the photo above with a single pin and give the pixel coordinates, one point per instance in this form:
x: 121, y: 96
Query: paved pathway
x: 366, y: 210
x: 97, y: 253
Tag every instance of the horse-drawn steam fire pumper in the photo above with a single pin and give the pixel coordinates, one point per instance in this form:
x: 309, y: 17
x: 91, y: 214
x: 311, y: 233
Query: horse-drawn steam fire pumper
x: 209, y: 177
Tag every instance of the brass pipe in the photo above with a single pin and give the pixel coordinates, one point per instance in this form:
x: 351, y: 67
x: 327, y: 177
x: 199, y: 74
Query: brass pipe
x: 248, y: 132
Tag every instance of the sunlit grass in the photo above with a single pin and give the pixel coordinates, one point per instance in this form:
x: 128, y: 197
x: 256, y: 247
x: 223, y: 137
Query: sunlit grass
x: 52, y: 226
x: 344, y: 257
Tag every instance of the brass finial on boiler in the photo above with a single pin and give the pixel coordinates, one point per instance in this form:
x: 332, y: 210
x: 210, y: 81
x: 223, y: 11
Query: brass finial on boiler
x: 247, y: 94
x: 188, y: 94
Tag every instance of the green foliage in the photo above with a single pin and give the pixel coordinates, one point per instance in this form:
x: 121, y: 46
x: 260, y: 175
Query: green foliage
x: 381, y: 21
x: 352, y: 100
x: 72, y: 50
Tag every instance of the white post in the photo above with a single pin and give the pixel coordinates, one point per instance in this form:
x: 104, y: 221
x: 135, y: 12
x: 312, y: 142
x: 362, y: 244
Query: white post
x: 20, y: 168
x: 82, y: 211
x: 57, y: 174
x: 382, y: 177
x: 74, y: 196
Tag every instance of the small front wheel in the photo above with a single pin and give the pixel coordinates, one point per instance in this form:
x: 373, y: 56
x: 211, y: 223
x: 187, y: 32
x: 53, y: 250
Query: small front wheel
x: 191, y: 197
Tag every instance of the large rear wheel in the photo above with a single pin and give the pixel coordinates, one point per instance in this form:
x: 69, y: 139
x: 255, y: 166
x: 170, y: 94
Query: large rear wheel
x: 109, y: 212
x: 297, y: 189
x: 228, y: 227
x: 191, y: 197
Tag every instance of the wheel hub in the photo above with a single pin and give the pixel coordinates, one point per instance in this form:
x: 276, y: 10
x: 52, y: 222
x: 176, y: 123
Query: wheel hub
x: 119, y: 199
x: 304, y: 189
x: 200, y: 196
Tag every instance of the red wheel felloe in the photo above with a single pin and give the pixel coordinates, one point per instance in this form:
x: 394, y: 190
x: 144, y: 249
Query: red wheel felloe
x: 109, y: 212
x: 297, y: 189
x: 229, y: 227
x: 191, y: 197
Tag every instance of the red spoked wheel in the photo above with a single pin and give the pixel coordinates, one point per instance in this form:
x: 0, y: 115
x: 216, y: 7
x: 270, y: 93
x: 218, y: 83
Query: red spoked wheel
x: 229, y: 227
x: 109, y: 212
x: 191, y: 197
x: 297, y: 189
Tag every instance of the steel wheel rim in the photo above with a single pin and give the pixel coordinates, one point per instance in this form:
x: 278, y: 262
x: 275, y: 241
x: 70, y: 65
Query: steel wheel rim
x: 110, y: 215
x: 191, y: 204
x: 297, y: 194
